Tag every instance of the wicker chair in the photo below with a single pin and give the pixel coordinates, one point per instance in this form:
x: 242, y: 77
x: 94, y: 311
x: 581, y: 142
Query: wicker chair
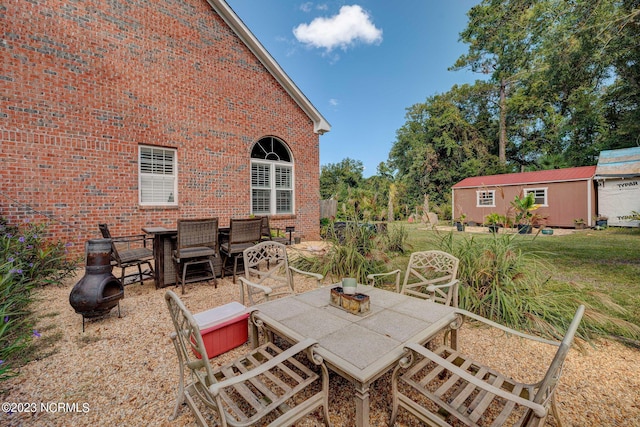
x: 444, y: 386
x: 243, y: 233
x: 267, y: 233
x: 130, y: 251
x: 430, y: 275
x: 267, y: 383
x: 196, y: 244
x: 268, y: 273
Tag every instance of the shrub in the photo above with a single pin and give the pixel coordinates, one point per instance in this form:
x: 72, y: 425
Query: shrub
x: 507, y: 284
x: 26, y: 261
x: 354, y: 252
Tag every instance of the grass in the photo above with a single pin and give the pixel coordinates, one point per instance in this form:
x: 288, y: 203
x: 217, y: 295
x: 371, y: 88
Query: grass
x: 600, y: 268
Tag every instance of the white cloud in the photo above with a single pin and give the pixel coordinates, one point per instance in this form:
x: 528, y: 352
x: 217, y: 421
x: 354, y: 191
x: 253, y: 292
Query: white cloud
x: 333, y: 102
x: 308, y: 7
x: 350, y: 26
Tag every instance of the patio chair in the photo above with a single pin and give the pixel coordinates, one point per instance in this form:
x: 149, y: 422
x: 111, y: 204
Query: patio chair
x: 196, y: 244
x: 430, y: 275
x: 444, y: 386
x: 130, y: 251
x: 267, y: 233
x: 267, y: 384
x: 268, y: 273
x: 243, y: 233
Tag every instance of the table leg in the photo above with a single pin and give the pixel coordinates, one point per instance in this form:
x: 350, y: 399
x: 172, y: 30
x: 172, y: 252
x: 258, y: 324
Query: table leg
x: 253, y: 334
x: 362, y: 404
x: 158, y: 258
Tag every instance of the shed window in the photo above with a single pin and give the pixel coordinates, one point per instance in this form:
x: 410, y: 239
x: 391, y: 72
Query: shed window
x: 271, y: 178
x: 486, y: 198
x: 540, y: 195
x: 157, y: 176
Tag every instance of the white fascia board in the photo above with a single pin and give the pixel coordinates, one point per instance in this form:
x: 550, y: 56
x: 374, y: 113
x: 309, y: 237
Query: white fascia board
x: 320, y: 124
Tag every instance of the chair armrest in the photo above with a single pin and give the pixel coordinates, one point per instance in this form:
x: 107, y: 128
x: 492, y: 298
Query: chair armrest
x: 371, y: 278
x: 266, y: 289
x: 292, y: 351
x: 481, y: 319
x: 132, y: 238
x: 316, y: 276
x: 432, y: 288
x: 537, y: 408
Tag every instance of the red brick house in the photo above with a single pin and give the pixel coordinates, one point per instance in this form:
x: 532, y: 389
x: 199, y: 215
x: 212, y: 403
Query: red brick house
x: 137, y: 113
x: 563, y: 195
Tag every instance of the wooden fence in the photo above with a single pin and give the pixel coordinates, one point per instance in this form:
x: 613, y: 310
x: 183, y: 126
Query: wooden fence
x: 328, y: 208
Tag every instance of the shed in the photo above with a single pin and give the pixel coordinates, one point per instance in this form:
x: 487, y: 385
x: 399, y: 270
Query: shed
x: 563, y: 195
x: 618, y: 180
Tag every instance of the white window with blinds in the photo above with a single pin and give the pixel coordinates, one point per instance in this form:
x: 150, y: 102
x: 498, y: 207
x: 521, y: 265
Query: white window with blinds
x: 158, y: 176
x: 271, y: 178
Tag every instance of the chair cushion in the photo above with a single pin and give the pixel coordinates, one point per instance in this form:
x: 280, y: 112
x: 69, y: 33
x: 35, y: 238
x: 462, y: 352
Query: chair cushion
x: 137, y: 254
x: 196, y: 252
x: 235, y: 248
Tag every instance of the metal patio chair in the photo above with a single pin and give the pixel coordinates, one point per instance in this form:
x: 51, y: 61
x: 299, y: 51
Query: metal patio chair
x: 445, y: 387
x: 429, y: 275
x: 243, y: 233
x: 268, y: 273
x: 196, y: 244
x: 266, y: 384
x: 130, y: 251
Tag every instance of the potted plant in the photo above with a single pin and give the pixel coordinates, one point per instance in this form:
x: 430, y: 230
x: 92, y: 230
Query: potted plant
x: 602, y: 221
x: 460, y: 223
x: 579, y: 223
x: 493, y: 221
x: 524, y: 215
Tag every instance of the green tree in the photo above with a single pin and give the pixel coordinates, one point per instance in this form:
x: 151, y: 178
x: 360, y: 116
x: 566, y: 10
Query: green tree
x: 336, y: 178
x: 499, y: 46
x: 443, y: 141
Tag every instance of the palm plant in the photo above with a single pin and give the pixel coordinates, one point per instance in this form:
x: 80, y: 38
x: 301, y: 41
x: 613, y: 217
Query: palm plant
x: 524, y: 207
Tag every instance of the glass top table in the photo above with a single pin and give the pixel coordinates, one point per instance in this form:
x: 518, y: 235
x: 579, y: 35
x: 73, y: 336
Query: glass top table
x: 363, y: 347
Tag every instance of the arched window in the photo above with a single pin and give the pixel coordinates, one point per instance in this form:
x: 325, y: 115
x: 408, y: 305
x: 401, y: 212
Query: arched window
x: 271, y: 178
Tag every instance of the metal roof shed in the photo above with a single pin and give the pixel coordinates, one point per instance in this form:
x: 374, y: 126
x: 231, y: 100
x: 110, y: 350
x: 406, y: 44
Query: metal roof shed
x: 618, y: 179
x: 563, y: 195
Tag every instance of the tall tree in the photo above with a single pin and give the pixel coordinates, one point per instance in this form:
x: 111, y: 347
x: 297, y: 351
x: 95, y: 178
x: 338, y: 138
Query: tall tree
x: 442, y: 142
x: 499, y: 46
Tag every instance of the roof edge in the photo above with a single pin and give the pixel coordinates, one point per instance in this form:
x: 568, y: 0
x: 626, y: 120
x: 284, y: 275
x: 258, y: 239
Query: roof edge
x: 320, y: 124
x: 513, y: 184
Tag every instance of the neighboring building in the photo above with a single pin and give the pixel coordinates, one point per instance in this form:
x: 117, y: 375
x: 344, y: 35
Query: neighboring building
x: 137, y: 113
x: 562, y: 194
x: 618, y: 179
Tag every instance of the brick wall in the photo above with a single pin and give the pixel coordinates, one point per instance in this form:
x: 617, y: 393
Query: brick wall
x: 83, y: 83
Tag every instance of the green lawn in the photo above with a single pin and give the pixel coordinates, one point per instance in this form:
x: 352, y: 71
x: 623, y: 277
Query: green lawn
x: 599, y: 263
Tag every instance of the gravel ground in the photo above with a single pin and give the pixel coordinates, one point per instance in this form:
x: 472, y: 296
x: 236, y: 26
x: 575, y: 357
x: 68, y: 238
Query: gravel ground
x: 123, y: 371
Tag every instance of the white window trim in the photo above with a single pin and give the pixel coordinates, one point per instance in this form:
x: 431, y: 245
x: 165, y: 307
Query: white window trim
x: 175, y: 175
x: 493, y: 198
x: 273, y: 189
x: 546, y: 194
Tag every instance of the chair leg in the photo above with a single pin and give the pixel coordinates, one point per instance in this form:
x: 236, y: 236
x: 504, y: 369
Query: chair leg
x: 140, y: 274
x: 224, y: 263
x: 235, y: 267
x: 213, y: 273
x: 184, y: 276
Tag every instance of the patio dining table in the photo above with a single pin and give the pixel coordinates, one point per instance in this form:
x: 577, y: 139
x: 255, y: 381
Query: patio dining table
x: 358, y: 347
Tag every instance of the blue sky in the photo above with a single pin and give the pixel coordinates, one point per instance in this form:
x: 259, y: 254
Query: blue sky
x: 362, y: 63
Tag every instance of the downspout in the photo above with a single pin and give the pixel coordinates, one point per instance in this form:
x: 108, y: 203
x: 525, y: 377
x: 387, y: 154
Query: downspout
x: 589, y: 199
x: 453, y: 205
